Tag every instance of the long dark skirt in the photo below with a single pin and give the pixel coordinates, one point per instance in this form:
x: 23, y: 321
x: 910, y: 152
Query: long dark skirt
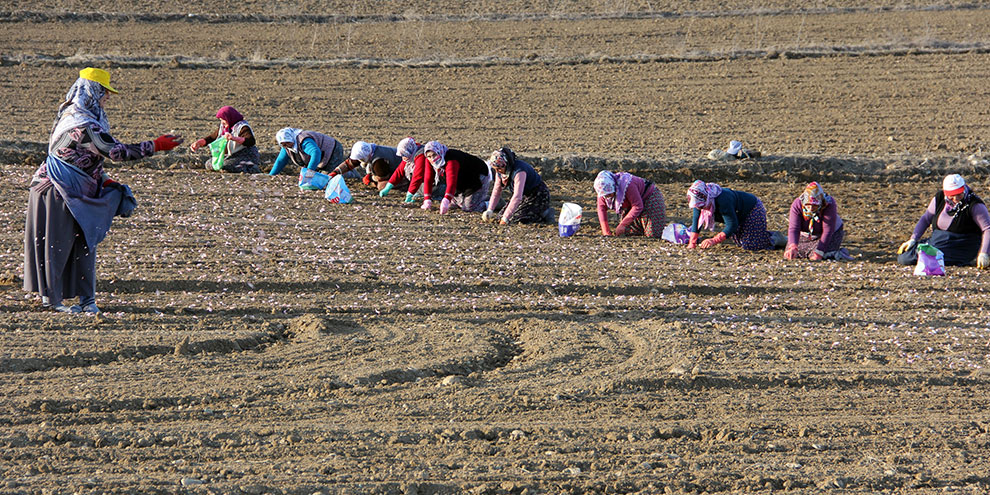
x: 57, y: 263
x: 244, y: 161
x: 532, y: 207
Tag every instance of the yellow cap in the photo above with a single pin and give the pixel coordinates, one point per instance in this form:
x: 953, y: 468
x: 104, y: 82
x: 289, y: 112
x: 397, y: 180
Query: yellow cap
x: 97, y: 75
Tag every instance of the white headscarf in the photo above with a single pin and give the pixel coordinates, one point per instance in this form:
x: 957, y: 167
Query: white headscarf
x: 288, y: 135
x: 441, y: 150
x: 361, y: 151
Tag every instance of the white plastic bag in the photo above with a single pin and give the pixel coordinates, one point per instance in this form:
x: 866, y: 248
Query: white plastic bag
x: 337, y: 191
x: 311, y: 180
x: 931, y: 261
x: 676, y: 233
x: 569, y: 220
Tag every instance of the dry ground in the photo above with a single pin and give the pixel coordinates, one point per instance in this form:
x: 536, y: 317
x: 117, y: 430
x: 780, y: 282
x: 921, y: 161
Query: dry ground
x: 260, y: 340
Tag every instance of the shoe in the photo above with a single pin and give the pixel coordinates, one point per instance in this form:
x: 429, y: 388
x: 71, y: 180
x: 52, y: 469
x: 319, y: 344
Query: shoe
x: 46, y: 302
x: 549, y: 215
x: 61, y: 308
x: 778, y: 239
x: 91, y: 309
x: 842, y: 255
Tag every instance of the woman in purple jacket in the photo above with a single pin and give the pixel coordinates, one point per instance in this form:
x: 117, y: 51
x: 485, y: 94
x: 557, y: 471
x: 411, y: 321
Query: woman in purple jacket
x: 960, y: 226
x: 815, y: 229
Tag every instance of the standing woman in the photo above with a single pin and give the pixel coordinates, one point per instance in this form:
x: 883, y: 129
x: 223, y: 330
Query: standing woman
x: 814, y: 229
x: 639, y: 204
x: 530, y: 197
x: 466, y: 176
x: 743, y: 214
x: 241, y: 154
x: 72, y: 201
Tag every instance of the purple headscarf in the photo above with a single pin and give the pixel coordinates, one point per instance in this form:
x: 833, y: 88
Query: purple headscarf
x: 230, y: 116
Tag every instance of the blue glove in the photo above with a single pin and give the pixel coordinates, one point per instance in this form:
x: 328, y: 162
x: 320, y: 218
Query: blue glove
x: 409, y: 197
x: 385, y: 190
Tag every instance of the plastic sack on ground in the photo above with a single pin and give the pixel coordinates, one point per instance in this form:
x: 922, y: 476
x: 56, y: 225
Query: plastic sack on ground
x: 676, y: 233
x: 337, y: 191
x: 311, y: 180
x: 217, y: 149
x: 569, y: 220
x: 931, y: 261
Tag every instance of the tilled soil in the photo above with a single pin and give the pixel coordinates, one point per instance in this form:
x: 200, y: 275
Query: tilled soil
x: 257, y: 339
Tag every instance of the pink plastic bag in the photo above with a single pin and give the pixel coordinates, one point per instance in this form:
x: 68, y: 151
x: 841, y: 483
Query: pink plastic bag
x: 931, y: 261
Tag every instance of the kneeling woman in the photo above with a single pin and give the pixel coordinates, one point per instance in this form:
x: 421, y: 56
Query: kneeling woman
x: 960, y: 226
x: 241, y: 153
x: 743, y: 214
x: 306, y: 149
x: 466, y: 176
x: 815, y: 230
x: 639, y: 204
x: 530, y: 197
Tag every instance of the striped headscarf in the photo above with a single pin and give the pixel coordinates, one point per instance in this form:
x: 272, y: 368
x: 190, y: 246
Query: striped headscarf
x: 701, y: 195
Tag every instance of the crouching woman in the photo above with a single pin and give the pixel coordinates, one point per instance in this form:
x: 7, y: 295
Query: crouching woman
x: 960, y: 226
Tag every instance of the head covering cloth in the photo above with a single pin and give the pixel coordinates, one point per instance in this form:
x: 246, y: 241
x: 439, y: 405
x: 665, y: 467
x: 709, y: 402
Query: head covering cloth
x: 288, y: 135
x: 441, y: 150
x: 607, y: 183
x: 407, y: 148
x: 361, y: 151
x: 81, y: 107
x: 701, y: 195
x: 502, y: 158
x: 230, y: 116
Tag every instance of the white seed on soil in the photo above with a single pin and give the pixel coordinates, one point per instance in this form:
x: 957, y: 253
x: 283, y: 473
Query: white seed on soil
x: 572, y: 470
x: 190, y: 482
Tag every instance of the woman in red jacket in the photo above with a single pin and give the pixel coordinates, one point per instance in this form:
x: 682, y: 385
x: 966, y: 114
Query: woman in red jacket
x: 466, y: 176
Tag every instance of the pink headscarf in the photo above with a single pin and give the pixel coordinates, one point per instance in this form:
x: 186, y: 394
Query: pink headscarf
x: 407, y: 148
x: 230, y: 116
x: 701, y: 195
x: 607, y: 183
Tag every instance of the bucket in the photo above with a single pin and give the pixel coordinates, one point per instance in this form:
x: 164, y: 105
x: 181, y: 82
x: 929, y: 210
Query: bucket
x: 570, y: 219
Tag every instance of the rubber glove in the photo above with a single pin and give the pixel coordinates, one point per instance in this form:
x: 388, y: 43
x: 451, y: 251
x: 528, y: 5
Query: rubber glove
x: 385, y: 190
x: 367, y: 180
x: 908, y: 244
x: 418, y: 196
x: 166, y: 142
x: 488, y: 216
x: 707, y: 243
x: 444, y: 206
x: 333, y: 174
x: 791, y: 252
x: 503, y: 222
x: 692, y: 240
x: 236, y: 139
x: 197, y: 144
x: 816, y: 255
x: 410, y: 197
x: 983, y: 261
x: 427, y: 204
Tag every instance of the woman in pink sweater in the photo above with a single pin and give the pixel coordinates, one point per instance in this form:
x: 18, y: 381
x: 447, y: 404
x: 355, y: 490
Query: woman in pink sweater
x: 638, y: 203
x: 815, y: 229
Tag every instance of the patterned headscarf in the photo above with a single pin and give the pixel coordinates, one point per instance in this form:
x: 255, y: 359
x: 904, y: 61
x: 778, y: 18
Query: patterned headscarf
x: 81, y: 107
x: 230, y: 116
x: 441, y: 150
x: 701, y: 195
x: 503, y: 158
x: 407, y: 148
x: 361, y: 151
x: 288, y: 135
x: 813, y: 200
x: 607, y: 183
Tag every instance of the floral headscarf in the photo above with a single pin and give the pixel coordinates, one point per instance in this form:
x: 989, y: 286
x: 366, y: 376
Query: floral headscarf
x: 813, y: 199
x: 81, y: 107
x: 701, y: 195
x: 607, y: 183
x: 503, y: 158
x: 441, y: 150
x: 407, y: 148
x: 288, y: 135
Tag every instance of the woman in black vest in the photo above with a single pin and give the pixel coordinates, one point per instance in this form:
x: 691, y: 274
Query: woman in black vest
x: 960, y: 226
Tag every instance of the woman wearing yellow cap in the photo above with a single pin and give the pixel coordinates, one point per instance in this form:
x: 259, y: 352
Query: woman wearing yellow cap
x: 72, y: 201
